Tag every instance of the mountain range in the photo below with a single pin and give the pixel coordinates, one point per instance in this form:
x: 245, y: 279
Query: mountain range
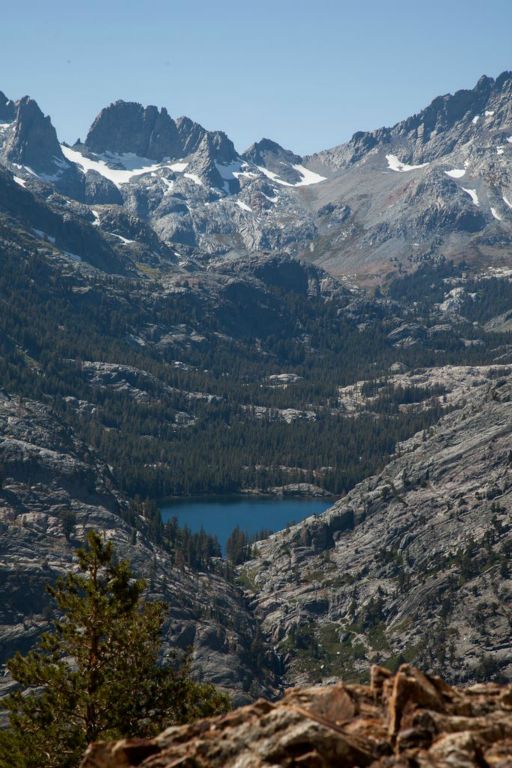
x: 180, y: 318
x: 436, y: 184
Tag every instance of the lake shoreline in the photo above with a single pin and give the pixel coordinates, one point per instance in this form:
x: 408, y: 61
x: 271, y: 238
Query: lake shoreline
x: 219, y: 515
x: 248, y: 493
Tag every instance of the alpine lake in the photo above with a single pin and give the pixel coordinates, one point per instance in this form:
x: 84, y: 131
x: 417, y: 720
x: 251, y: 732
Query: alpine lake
x: 220, y: 515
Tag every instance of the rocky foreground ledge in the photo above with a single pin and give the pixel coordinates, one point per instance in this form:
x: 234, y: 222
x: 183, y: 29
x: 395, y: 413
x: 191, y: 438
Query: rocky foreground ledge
x: 408, y: 719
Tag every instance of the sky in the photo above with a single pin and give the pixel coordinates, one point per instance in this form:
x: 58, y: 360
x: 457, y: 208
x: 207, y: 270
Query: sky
x: 306, y: 73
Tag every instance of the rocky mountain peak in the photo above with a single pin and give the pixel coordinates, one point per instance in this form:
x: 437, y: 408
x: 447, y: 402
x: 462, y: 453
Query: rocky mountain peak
x: 214, y: 149
x: 445, y: 111
x: 7, y: 109
x: 128, y: 127
x: 190, y: 133
x: 448, y: 121
x: 484, y: 83
x: 504, y: 80
x: 221, y: 147
x: 268, y: 151
x: 34, y: 140
x: 195, y: 138
x: 276, y: 159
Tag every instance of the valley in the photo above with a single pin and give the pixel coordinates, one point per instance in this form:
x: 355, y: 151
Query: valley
x: 178, y: 319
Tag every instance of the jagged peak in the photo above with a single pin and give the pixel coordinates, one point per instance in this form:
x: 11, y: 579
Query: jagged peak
x: 150, y: 132
x: 265, y: 144
x: 195, y: 137
x: 129, y: 127
x: 442, y: 114
x: 455, y: 105
x: 261, y: 150
x: 190, y: 133
x: 503, y: 78
x: 34, y: 140
x: 7, y: 109
x: 222, y: 147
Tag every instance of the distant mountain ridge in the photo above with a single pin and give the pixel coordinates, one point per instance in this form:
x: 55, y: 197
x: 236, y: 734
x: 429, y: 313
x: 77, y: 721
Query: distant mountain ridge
x: 436, y: 185
x: 429, y: 133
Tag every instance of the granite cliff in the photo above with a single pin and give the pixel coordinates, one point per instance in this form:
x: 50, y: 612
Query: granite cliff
x: 412, y: 564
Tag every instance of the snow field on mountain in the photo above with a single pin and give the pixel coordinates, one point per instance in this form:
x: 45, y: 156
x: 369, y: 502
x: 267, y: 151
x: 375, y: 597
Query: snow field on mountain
x: 456, y: 173
x: 394, y: 164
x: 473, y: 195
x: 308, y: 177
x: 133, y: 165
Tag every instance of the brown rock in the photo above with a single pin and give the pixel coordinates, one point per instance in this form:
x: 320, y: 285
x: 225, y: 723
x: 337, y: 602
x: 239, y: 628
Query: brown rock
x: 407, y: 720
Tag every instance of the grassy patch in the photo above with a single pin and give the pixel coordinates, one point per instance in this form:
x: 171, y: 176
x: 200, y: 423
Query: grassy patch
x: 147, y: 270
x: 378, y: 640
x: 246, y: 579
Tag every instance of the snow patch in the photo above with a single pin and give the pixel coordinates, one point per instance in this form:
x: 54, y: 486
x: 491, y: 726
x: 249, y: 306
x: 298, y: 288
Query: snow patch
x: 473, y: 195
x: 500, y: 150
x: 19, y: 181
x: 507, y: 201
x: 195, y: 178
x: 96, y: 215
x: 456, y: 173
x: 496, y: 214
x: 273, y: 176
x: 25, y: 168
x: 61, y: 164
x: 132, y: 165
x: 230, y: 171
x: 116, y: 175
x: 44, y: 176
x: 245, y: 174
x: 178, y: 167
x: 489, y: 113
x: 122, y: 239
x: 308, y: 177
x: 243, y: 206
x: 509, y: 139
x: 394, y: 164
x: 475, y: 119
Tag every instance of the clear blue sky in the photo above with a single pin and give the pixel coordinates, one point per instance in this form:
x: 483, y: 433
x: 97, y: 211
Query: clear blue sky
x: 307, y: 73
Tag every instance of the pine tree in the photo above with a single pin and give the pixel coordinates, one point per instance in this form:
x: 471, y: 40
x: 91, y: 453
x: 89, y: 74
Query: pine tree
x: 98, y: 673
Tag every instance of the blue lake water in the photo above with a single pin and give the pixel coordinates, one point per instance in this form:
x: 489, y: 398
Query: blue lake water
x: 219, y: 516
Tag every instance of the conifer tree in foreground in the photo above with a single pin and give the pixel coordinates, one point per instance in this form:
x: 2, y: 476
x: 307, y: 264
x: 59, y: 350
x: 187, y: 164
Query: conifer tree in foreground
x: 98, y: 673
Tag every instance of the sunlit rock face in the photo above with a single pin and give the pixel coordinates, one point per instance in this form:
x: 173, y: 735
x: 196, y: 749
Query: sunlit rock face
x: 406, y: 719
